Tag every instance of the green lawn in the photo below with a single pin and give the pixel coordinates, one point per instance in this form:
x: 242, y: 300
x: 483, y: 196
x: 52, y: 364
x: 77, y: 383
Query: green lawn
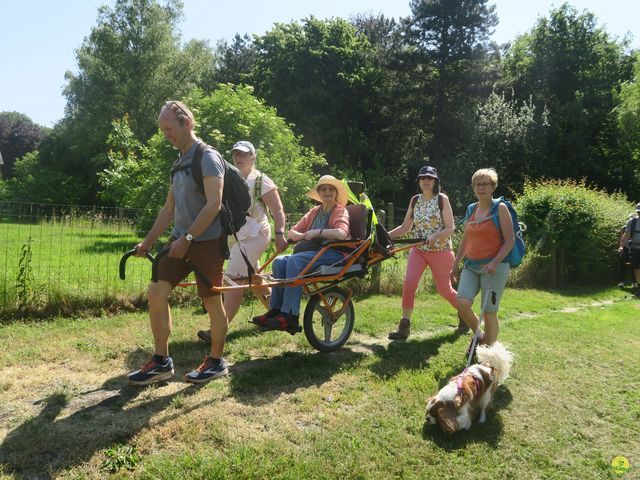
x: 70, y: 259
x: 571, y: 405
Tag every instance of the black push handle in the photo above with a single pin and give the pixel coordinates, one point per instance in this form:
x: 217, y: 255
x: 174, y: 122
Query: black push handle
x: 410, y: 240
x: 125, y: 257
x: 196, y: 270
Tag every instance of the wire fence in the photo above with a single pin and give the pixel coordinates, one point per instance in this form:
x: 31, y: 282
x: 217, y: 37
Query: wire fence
x: 62, y: 252
x: 69, y: 254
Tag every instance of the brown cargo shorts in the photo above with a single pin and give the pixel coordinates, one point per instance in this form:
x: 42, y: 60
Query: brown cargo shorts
x: 207, y: 256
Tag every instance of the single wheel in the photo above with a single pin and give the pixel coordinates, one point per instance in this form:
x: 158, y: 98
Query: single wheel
x: 324, y: 333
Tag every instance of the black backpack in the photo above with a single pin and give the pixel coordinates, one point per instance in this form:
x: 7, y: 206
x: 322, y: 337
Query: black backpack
x: 235, y: 193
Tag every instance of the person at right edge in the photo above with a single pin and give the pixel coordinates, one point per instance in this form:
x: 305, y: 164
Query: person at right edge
x: 484, y: 249
x: 631, y: 238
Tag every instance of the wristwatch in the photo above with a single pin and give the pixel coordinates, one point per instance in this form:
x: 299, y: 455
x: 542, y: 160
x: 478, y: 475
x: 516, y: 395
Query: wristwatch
x: 189, y: 237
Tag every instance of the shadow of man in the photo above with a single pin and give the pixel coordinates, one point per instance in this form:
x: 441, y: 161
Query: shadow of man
x: 45, y: 445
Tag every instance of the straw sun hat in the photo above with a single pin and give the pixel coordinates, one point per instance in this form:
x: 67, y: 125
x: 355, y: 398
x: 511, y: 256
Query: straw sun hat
x: 334, y: 182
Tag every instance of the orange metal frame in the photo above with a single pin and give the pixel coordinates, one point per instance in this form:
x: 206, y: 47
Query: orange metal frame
x: 311, y: 284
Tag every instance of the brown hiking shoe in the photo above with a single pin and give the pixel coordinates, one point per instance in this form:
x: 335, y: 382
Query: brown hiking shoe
x: 404, y: 328
x: 462, y: 327
x: 204, y: 335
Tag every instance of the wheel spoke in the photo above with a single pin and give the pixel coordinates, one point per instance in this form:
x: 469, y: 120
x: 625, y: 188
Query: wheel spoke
x: 328, y: 326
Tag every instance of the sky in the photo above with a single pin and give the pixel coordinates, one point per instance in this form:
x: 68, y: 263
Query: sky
x: 39, y: 37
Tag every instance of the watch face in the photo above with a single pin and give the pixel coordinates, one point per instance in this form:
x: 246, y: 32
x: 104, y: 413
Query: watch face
x: 189, y: 237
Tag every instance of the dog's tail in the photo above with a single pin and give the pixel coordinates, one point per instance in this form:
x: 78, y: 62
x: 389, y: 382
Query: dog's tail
x: 498, y: 357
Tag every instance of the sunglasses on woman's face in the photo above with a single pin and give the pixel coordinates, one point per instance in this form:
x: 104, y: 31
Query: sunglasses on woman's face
x: 326, y: 188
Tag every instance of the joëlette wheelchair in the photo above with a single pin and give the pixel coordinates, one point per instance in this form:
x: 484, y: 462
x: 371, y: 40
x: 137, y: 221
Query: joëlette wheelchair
x: 329, y: 315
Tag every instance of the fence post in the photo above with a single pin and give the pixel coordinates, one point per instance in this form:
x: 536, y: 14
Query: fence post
x: 391, y: 219
x: 375, y: 270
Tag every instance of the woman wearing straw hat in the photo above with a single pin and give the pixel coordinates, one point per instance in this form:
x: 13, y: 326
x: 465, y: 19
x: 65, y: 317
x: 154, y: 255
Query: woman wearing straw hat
x: 327, y: 221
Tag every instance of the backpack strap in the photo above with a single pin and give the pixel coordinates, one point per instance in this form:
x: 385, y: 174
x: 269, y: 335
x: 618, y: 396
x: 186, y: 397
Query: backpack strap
x: 257, y: 191
x: 412, y: 203
x: 196, y: 166
x: 495, y: 212
x: 470, y: 210
x: 632, y: 230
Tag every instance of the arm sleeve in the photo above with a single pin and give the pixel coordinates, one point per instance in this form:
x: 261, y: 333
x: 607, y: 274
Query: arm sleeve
x: 212, y: 164
x: 341, y: 222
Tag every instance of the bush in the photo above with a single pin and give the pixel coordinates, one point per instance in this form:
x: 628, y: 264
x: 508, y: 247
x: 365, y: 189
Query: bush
x: 36, y: 183
x: 572, y: 233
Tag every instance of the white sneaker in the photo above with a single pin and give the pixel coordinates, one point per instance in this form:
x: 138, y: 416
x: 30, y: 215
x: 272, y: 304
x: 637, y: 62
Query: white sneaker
x: 621, y: 284
x: 634, y: 285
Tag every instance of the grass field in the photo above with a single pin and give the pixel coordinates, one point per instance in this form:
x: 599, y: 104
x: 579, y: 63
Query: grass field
x: 69, y: 259
x: 571, y: 405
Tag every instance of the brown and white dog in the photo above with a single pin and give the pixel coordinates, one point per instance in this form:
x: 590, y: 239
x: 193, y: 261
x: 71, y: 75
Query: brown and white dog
x: 457, y: 403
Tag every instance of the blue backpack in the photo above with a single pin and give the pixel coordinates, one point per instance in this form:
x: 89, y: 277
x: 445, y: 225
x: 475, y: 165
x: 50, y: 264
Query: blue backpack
x: 516, y: 254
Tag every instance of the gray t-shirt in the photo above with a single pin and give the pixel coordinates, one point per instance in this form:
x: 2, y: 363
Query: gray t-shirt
x: 634, y: 235
x: 188, y: 201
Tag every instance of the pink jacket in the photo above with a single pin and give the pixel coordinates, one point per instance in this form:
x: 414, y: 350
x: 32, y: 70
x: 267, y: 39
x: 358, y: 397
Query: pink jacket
x: 339, y: 219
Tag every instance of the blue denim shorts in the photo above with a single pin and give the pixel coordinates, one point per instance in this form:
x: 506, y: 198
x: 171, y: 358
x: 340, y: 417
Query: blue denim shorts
x: 473, y: 279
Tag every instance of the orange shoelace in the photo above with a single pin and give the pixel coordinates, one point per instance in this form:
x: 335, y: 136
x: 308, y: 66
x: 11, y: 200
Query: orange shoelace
x: 204, y: 365
x: 147, y: 366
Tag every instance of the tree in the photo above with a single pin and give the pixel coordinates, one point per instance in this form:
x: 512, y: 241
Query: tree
x: 320, y: 76
x: 572, y: 67
x: 138, y: 172
x: 505, y: 135
x: 628, y: 116
x: 449, y: 56
x: 130, y: 63
x: 233, y: 62
x: 18, y: 135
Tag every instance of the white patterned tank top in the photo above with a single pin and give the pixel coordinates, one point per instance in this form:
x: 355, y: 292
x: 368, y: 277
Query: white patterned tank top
x: 427, y: 220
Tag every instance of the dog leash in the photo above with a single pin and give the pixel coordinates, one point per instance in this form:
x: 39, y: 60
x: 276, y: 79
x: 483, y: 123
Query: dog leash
x: 476, y: 335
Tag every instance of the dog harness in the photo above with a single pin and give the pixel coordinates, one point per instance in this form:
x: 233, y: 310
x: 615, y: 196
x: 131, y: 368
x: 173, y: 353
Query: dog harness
x: 478, y: 381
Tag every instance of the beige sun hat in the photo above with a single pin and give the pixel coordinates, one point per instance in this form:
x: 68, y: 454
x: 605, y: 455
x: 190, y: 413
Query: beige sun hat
x: 343, y: 196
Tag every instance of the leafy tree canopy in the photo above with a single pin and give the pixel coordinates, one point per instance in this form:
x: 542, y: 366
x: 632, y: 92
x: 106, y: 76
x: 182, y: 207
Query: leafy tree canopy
x: 628, y: 114
x: 129, y: 64
x: 319, y: 75
x: 573, y: 67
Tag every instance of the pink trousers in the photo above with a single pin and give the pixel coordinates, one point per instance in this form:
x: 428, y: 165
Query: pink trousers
x: 440, y: 264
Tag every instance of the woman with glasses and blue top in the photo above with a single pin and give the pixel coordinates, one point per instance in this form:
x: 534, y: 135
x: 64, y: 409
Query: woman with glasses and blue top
x: 484, y: 248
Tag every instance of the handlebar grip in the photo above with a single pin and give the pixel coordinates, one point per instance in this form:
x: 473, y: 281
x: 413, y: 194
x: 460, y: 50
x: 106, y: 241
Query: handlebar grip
x: 154, y: 264
x: 124, y: 259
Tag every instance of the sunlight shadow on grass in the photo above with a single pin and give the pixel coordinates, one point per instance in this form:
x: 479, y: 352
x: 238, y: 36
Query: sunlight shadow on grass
x: 411, y: 355
x: 257, y: 382
x: 45, y: 445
